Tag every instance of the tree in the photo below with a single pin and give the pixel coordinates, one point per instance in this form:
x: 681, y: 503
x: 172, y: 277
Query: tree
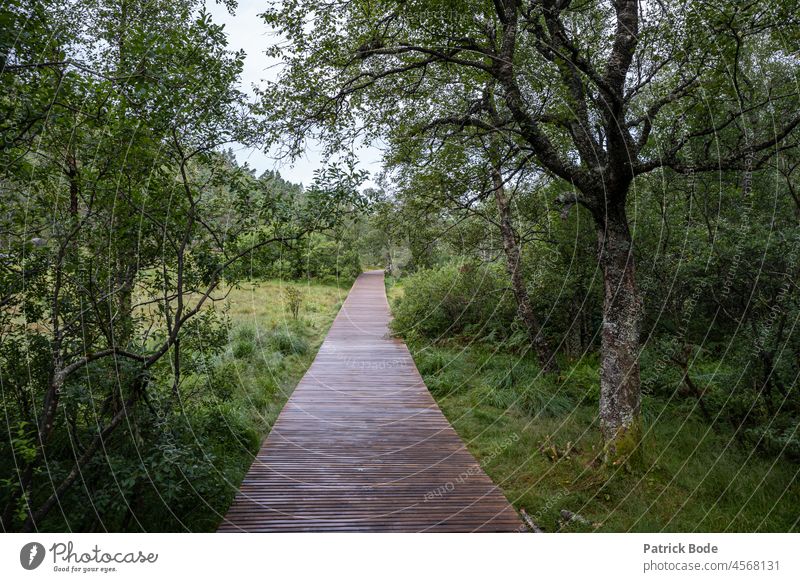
x: 594, y: 94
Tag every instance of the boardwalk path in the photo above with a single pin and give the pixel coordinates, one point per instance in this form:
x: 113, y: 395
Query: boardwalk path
x: 362, y: 446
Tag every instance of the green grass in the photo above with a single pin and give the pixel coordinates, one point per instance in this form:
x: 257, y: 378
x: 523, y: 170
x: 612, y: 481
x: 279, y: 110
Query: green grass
x: 538, y: 440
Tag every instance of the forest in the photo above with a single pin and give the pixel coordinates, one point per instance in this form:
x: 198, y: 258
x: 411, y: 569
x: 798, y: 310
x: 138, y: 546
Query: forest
x: 588, y: 213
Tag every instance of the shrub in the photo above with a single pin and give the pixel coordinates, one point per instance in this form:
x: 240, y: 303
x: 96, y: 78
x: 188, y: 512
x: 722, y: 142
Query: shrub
x: 583, y: 379
x: 243, y: 343
x: 224, y: 380
x: 430, y: 362
x: 294, y: 300
x: 775, y: 441
x: 457, y: 299
x: 287, y: 343
x: 243, y: 349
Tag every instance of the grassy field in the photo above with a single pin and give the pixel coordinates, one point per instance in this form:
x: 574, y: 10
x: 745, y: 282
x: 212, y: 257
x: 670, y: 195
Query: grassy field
x: 269, y: 350
x: 538, y: 440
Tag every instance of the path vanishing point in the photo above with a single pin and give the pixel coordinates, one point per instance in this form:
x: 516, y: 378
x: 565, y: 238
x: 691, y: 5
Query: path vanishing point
x: 362, y: 446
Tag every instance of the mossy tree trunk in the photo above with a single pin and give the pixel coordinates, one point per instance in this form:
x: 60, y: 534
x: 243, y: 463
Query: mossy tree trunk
x: 620, y: 390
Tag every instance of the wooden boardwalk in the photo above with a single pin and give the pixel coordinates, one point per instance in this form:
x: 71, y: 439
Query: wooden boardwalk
x: 362, y: 446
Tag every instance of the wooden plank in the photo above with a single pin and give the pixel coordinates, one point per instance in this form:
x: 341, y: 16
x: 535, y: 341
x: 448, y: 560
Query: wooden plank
x: 362, y: 446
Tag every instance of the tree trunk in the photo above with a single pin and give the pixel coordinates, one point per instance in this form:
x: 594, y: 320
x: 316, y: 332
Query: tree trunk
x: 526, y: 312
x: 575, y: 332
x: 620, y: 389
x: 74, y: 186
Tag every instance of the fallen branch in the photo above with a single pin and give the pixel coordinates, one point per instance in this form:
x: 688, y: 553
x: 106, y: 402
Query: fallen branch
x: 531, y: 525
x: 568, y: 517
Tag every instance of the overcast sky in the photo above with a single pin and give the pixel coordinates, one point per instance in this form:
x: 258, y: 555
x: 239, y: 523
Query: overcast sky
x: 247, y: 31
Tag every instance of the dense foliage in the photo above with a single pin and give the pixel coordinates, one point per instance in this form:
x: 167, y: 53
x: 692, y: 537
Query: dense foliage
x: 123, y: 221
x: 719, y: 282
x: 326, y: 256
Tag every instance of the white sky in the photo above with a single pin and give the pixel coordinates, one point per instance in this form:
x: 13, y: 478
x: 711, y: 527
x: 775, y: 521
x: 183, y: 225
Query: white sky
x: 245, y: 30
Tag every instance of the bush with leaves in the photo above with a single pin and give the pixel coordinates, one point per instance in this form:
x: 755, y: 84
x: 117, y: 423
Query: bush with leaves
x: 461, y: 298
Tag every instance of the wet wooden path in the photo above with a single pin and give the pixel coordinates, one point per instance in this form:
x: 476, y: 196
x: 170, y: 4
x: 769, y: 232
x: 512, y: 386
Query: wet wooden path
x: 362, y: 446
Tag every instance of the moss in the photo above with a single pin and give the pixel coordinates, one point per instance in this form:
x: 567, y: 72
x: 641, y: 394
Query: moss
x: 625, y: 447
